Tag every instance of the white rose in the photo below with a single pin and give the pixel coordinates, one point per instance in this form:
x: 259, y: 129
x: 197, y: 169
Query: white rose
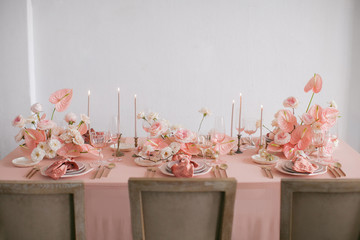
x: 19, y: 121
x: 78, y: 140
x: 37, y: 155
x: 66, y: 137
x: 175, y: 146
x: 85, y: 118
x: 54, y: 144
x: 140, y: 115
x: 70, y: 118
x: 50, y: 153
x: 36, y: 108
x: 152, y: 116
x: 166, y: 153
x: 205, y: 111
x: 31, y: 119
x: 57, y: 131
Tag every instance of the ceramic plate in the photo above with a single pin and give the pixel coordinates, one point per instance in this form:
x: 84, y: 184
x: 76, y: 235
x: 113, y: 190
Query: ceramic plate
x: 146, y: 163
x: 283, y: 167
x: 85, y: 171
x: 256, y: 158
x: 163, y: 169
x: 23, y: 162
x: 200, y: 168
x: 125, y: 147
x: 81, y: 168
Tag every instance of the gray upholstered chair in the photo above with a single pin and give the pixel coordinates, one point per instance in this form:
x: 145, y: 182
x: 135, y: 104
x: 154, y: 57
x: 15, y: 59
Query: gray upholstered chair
x: 179, y: 208
x: 42, y: 210
x: 321, y: 209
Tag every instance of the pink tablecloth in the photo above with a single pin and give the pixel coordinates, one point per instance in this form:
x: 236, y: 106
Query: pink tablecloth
x: 257, y: 206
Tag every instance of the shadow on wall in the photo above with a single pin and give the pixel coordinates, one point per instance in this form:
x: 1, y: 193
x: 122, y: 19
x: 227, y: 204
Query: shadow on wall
x: 352, y: 123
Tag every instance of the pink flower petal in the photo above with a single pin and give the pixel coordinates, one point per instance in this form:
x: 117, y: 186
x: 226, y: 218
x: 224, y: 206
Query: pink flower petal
x: 69, y: 150
x: 315, y: 84
x: 190, y: 148
x: 83, y: 129
x: 61, y: 99
x: 33, y: 137
x: 156, y: 143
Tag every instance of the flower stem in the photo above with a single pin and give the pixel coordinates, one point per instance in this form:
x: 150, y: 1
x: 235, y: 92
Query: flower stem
x: 52, y: 115
x: 310, y: 102
x: 201, y: 122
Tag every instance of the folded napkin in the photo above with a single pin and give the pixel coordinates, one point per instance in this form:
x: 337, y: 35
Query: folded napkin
x: 300, y: 164
x: 59, y: 168
x: 185, y: 168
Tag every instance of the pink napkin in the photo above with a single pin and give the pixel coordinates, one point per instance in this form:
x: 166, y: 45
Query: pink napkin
x: 185, y: 168
x: 59, y: 168
x: 303, y: 165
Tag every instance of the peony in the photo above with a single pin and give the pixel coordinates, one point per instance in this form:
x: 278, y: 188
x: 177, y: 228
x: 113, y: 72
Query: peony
x: 46, y: 124
x: 37, y: 155
x: 70, y: 118
x: 20, y: 135
x: 184, y: 135
x: 140, y: 115
x: 19, y: 121
x: 54, y: 144
x: 85, y: 118
x: 157, y: 128
x: 314, y: 84
x: 205, y: 111
x: 307, y: 119
x: 166, y: 153
x: 175, y: 146
x: 291, y: 102
x: 282, y: 138
x: 36, y: 108
x: 152, y: 116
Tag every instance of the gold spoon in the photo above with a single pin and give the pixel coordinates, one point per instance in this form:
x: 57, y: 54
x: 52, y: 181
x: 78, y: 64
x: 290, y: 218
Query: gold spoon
x: 223, y: 167
x: 109, y: 166
x: 338, y: 166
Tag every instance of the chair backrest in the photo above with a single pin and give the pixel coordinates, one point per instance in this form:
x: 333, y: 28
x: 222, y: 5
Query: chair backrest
x: 320, y: 209
x: 180, y: 208
x: 42, y: 210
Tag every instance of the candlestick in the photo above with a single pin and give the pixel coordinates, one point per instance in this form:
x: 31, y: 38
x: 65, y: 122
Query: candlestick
x: 261, y: 120
x: 135, y: 116
x: 118, y: 117
x: 238, y: 144
x: 232, y: 117
x: 240, y: 113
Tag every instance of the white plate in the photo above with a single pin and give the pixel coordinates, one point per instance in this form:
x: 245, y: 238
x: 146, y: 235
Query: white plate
x: 164, y: 171
x: 23, y: 162
x: 87, y: 170
x: 146, y: 163
x: 280, y: 166
x: 125, y: 147
x: 200, y: 168
x: 81, y: 168
x: 256, y: 158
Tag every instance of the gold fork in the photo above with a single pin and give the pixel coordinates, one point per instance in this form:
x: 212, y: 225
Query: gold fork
x: 32, y: 172
x: 267, y: 171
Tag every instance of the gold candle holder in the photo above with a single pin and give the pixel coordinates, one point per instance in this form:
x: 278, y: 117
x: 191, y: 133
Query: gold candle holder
x: 136, y: 141
x: 239, y: 143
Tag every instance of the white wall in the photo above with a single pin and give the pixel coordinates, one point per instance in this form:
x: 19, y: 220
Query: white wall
x: 14, y: 90
x: 178, y: 56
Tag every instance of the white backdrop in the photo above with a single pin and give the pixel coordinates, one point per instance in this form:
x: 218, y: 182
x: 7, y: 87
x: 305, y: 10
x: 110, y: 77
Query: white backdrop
x: 179, y: 56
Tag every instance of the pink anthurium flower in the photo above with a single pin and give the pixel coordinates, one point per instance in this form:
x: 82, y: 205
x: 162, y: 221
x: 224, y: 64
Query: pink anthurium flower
x: 289, y: 151
x: 83, y: 128
x: 189, y: 148
x: 314, y: 84
x: 286, y: 120
x: 329, y: 116
x: 316, y: 112
x: 301, y: 136
x: 156, y: 143
x: 69, y: 150
x: 61, y: 99
x: 273, y: 147
x: 33, y: 137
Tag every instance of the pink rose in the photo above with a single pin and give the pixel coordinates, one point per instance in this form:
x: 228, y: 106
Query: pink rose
x: 46, y: 124
x: 307, y: 118
x: 70, y: 118
x: 282, y: 138
x: 36, y: 108
x: 157, y: 128
x: 291, y: 102
x: 19, y: 121
x: 184, y: 135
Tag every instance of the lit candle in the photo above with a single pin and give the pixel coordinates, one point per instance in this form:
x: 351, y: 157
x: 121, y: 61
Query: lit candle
x: 261, y: 120
x: 135, y: 115
x: 232, y: 117
x: 88, y: 113
x: 118, y: 117
x: 240, y: 114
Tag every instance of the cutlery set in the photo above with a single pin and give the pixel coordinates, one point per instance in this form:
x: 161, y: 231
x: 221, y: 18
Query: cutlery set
x: 336, y: 170
x: 219, y: 171
x: 150, y: 172
x: 32, y: 172
x: 103, y: 171
x: 267, y: 171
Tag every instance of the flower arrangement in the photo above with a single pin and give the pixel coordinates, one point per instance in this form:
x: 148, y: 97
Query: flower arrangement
x: 45, y: 138
x: 292, y: 134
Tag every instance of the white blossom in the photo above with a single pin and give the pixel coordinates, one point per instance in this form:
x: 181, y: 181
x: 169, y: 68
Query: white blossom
x: 37, y: 155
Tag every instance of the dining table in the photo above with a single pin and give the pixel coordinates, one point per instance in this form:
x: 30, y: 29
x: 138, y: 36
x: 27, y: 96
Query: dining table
x: 107, y: 206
